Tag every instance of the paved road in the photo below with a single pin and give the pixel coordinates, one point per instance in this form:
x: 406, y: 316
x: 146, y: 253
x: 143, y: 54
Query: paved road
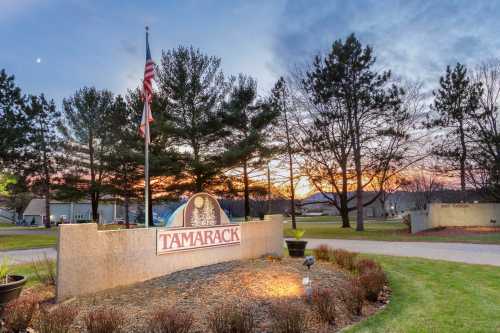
x: 13, y: 231
x: 27, y: 256
x: 459, y: 252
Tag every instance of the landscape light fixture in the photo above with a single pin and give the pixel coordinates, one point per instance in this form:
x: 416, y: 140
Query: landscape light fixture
x: 306, y: 281
x: 309, y: 261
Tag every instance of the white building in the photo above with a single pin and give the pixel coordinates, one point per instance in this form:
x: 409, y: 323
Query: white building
x: 110, y: 211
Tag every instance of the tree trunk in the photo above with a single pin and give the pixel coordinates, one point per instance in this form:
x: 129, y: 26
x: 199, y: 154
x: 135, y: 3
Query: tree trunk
x: 126, y: 206
x: 344, y: 207
x: 94, y: 195
x: 246, y: 191
x: 46, y: 190
x: 344, y: 214
x: 463, y: 158
x: 47, y: 210
x: 95, y: 207
x: 359, y: 201
x: 359, y: 187
x: 344, y: 211
x: 290, y: 167
x: 269, y: 195
x: 359, y: 190
x: 150, y: 208
x: 292, y: 194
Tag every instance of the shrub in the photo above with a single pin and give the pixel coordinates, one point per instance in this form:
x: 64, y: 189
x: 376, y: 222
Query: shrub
x: 322, y: 252
x: 345, y: 259
x: 373, y: 282
x: 365, y: 265
x: 44, y: 271
x: 298, y: 233
x: 353, y: 296
x: 19, y: 312
x: 103, y: 320
x: 324, y: 304
x: 4, y: 270
x: 59, y: 320
x: 169, y: 320
x: 231, y: 319
x: 288, y: 318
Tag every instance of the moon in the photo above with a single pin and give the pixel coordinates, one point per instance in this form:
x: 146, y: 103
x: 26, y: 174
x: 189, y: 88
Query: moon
x: 38, y: 60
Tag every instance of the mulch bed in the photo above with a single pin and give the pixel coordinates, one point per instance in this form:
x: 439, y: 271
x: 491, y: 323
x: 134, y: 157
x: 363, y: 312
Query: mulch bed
x: 459, y: 231
x: 256, y: 283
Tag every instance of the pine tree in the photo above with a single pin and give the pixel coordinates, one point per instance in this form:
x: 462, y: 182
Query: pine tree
x: 455, y: 103
x: 125, y: 160
x: 191, y: 88
x: 44, y: 144
x: 248, y: 121
x: 13, y: 124
x: 87, y: 129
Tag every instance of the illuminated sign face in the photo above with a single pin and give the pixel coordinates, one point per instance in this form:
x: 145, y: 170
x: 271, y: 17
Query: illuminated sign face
x: 201, y: 223
x: 194, y: 238
x: 202, y: 210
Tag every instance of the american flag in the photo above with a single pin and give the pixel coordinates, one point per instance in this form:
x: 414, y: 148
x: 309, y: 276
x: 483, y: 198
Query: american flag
x: 147, y: 92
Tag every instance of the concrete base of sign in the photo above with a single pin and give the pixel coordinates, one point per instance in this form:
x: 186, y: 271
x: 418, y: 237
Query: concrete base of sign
x: 89, y: 260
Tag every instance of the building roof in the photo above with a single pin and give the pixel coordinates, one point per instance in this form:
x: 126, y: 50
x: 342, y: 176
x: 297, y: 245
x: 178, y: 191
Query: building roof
x: 36, y: 207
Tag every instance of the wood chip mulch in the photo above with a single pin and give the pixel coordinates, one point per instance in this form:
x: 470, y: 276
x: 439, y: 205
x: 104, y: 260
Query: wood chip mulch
x: 257, y: 284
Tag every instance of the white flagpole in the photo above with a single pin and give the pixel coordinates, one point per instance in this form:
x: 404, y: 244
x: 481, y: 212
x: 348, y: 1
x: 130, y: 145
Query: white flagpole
x: 146, y: 165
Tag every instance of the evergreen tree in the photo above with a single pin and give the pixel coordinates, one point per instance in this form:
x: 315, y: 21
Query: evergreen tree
x: 44, y: 143
x: 126, y: 156
x: 87, y: 128
x: 13, y: 124
x: 455, y: 103
x: 192, y: 89
x: 248, y: 121
x: 164, y: 160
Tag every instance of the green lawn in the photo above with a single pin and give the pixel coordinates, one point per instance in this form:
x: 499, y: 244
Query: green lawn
x: 383, y: 231
x: 18, y: 242
x: 333, y: 218
x: 437, y: 296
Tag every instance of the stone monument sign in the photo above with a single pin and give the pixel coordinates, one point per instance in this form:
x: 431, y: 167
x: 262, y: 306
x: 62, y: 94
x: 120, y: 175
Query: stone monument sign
x: 199, y: 223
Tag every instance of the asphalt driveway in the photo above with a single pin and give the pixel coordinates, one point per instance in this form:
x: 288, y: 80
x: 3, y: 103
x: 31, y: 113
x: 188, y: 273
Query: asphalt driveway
x: 27, y: 256
x: 459, y: 252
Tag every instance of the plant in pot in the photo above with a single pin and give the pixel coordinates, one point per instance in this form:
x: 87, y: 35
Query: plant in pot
x: 296, y: 247
x: 10, y: 284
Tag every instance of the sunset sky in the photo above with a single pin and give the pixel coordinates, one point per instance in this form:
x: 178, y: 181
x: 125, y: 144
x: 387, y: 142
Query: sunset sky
x: 56, y: 46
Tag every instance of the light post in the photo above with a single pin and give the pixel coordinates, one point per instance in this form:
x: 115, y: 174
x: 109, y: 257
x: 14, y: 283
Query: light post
x: 306, y: 281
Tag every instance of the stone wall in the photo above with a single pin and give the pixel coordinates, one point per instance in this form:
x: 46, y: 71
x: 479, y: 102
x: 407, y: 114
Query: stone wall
x: 89, y: 260
x: 456, y: 215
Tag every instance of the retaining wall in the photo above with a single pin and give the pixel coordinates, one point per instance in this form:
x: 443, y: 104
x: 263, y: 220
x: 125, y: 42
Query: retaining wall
x: 89, y: 260
x: 456, y: 215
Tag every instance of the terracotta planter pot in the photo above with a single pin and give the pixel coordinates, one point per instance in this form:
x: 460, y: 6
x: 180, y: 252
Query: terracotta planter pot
x: 12, y: 289
x: 296, y: 248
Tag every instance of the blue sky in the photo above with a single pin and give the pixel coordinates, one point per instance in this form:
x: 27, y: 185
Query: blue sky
x: 101, y: 43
